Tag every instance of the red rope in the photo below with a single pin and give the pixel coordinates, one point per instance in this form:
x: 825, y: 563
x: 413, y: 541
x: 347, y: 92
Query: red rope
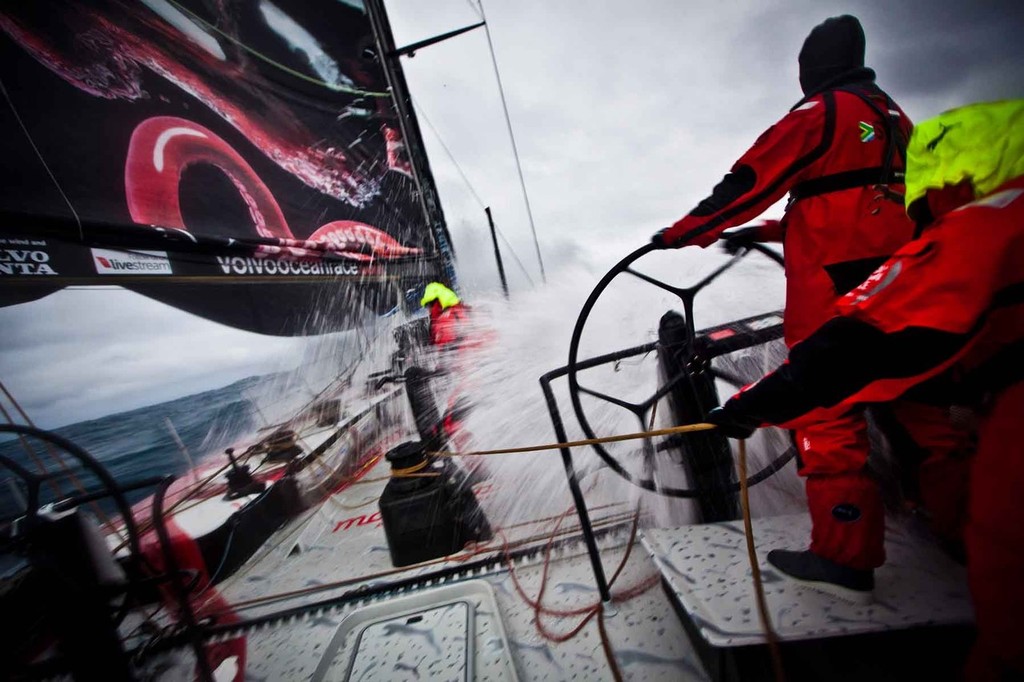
x: 588, y: 612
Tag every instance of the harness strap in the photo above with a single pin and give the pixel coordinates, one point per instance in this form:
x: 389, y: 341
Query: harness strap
x: 895, y: 142
x: 883, y: 175
x: 861, y: 177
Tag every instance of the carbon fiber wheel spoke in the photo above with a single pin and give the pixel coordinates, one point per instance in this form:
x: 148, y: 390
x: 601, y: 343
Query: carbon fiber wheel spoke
x: 635, y: 409
x: 716, y: 272
x: 681, y: 293
x: 664, y: 390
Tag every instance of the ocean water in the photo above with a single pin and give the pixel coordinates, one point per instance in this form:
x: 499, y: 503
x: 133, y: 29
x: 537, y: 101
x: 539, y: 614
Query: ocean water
x: 137, y: 444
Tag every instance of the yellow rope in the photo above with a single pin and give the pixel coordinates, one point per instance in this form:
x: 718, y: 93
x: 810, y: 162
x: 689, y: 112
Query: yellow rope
x: 410, y: 470
x: 686, y: 428
x: 755, y: 569
x: 378, y: 479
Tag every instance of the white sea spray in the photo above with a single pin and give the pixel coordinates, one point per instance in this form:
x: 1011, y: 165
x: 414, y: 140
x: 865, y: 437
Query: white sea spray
x: 529, y: 336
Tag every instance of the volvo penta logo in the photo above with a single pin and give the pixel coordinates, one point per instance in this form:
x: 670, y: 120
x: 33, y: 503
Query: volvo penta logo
x: 110, y: 262
x: 846, y: 512
x: 25, y: 262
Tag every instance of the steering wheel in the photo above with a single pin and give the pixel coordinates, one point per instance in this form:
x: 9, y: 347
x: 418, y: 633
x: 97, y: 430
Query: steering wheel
x: 33, y: 483
x: 642, y: 409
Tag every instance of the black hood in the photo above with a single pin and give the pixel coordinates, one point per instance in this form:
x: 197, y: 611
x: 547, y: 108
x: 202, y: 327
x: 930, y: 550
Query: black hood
x: 834, y: 49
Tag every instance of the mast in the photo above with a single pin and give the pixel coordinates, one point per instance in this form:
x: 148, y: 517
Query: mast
x: 430, y: 202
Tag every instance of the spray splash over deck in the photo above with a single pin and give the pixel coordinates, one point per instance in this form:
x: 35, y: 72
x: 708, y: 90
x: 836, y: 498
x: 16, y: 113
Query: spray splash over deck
x: 530, y: 335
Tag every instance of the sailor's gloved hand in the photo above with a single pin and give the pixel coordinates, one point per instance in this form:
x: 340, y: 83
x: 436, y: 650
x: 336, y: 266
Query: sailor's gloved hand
x: 731, y: 423
x: 661, y: 239
x: 689, y: 230
x: 733, y: 241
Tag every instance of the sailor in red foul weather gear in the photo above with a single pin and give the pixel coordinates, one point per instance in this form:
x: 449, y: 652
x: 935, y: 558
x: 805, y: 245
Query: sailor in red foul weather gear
x: 447, y: 314
x: 449, y: 331
x: 839, y: 152
x: 950, y: 302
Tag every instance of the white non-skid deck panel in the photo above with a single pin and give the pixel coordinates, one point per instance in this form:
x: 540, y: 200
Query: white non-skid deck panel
x: 644, y: 632
x: 453, y: 632
x: 708, y: 569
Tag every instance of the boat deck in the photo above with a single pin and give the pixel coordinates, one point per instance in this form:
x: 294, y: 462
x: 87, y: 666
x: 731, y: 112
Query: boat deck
x: 707, y: 568
x: 688, y: 589
x: 648, y: 639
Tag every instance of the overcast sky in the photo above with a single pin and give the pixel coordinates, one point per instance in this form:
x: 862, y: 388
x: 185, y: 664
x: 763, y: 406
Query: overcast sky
x: 626, y: 114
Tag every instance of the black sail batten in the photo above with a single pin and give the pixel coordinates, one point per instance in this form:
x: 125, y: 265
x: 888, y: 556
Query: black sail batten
x: 249, y: 166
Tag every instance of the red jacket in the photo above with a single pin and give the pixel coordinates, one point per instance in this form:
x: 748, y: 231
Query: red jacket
x: 953, y: 299
x: 446, y: 326
x: 835, y: 238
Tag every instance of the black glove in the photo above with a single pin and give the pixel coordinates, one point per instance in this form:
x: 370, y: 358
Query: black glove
x: 658, y: 239
x: 732, y: 242
x: 732, y: 424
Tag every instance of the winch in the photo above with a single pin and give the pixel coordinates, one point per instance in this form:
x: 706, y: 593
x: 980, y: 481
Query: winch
x: 428, y: 508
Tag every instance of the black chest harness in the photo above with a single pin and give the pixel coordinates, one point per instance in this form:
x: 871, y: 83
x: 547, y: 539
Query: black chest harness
x: 879, y: 177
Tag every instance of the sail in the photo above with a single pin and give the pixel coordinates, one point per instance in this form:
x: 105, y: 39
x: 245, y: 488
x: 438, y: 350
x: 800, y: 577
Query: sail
x: 244, y: 160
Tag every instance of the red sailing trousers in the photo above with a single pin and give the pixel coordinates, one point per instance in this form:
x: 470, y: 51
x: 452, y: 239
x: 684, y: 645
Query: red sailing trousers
x: 845, y: 503
x: 847, y: 518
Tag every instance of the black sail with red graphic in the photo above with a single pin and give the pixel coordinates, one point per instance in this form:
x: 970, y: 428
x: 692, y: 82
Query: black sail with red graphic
x: 253, y: 162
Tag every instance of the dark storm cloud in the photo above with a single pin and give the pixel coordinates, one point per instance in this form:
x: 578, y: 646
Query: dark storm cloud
x: 948, y: 51
x: 930, y: 54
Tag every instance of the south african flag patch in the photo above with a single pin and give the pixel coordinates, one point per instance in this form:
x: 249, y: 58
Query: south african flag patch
x: 867, y: 132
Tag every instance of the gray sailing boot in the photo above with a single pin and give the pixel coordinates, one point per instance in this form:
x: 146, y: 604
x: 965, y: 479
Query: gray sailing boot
x: 819, y: 573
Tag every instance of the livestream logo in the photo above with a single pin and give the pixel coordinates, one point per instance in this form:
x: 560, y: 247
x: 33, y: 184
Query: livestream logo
x: 131, y: 262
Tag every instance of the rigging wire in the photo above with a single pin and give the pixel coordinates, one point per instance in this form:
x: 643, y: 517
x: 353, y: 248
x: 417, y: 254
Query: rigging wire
x: 476, y: 10
x: 28, y: 136
x: 472, y: 190
x: 448, y: 151
x: 27, y: 447
x: 512, y: 138
x: 515, y: 255
x: 685, y: 428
